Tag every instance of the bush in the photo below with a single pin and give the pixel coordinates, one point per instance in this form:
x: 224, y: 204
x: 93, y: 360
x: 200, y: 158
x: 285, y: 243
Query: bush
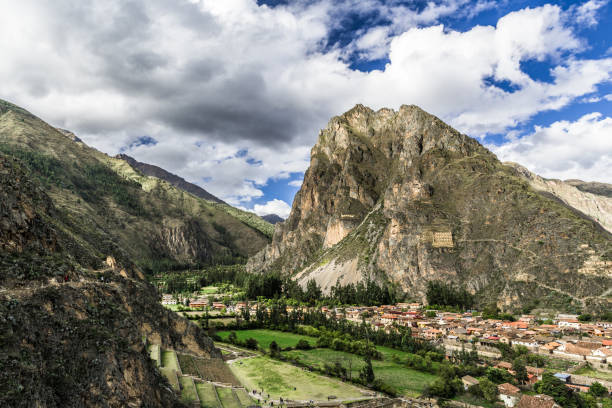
x: 251, y: 343
x: 303, y: 345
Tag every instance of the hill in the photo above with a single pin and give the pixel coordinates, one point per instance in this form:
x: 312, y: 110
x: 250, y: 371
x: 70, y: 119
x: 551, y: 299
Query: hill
x: 401, y: 197
x: 112, y: 208
x: 272, y: 218
x: 72, y: 335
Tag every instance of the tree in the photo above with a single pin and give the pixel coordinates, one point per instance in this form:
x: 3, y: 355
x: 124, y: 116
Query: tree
x: 274, y: 349
x: 313, y: 292
x: 251, y: 343
x: 302, y: 345
x: 489, y: 389
x: 598, y: 390
x: 232, y: 338
x: 554, y: 387
x: 518, y: 366
x: 367, y: 372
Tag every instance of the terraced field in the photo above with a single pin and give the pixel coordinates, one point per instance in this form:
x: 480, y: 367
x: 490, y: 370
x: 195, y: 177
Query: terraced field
x: 227, y: 397
x: 155, y: 353
x: 208, y: 395
x: 188, y: 392
x: 171, y: 376
x: 244, y: 397
x: 169, y: 360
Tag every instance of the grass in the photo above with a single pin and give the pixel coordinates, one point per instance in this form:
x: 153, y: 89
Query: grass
x: 265, y: 337
x: 285, y: 380
x: 207, y: 394
x: 244, y: 397
x: 406, y: 381
x: 590, y: 372
x: 168, y: 358
x: 170, y: 375
x: 209, y: 290
x: 472, y: 400
x: 227, y: 398
x: 188, y: 393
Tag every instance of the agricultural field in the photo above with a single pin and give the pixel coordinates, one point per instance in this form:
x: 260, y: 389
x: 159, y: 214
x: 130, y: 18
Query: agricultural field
x: 244, y: 397
x: 188, y: 392
x: 228, y: 400
x: 168, y: 360
x: 287, y: 381
x: 209, y: 290
x: 171, y: 376
x: 207, y: 369
x: 265, y: 337
x: 207, y: 394
x: 406, y: 381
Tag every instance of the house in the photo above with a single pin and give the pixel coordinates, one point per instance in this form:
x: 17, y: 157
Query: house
x: 566, y: 378
x: 536, y: 372
x: 537, y: 401
x: 468, y: 381
x: 504, y: 365
x: 509, y: 394
x: 569, y: 324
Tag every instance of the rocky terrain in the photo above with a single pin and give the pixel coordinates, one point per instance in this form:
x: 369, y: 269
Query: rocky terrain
x: 72, y: 335
x: 592, y: 199
x: 401, y: 197
x: 113, y: 208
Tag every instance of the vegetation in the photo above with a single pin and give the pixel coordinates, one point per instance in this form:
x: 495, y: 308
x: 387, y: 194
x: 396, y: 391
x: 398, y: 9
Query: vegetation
x: 265, y: 337
x: 446, y: 294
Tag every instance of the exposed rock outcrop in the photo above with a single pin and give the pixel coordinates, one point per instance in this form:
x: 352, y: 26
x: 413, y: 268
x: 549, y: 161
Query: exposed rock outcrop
x: 401, y: 196
x: 596, y: 206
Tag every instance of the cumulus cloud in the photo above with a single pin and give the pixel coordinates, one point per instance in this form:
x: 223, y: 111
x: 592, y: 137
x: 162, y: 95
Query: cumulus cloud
x: 564, y: 150
x: 276, y: 206
x: 208, y: 79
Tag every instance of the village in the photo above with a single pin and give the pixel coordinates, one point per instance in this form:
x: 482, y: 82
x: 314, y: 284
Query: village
x: 579, y: 344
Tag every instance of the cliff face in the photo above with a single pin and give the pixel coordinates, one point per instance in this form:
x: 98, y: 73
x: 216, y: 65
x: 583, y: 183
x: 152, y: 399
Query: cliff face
x: 72, y: 336
x: 592, y: 199
x: 401, y: 196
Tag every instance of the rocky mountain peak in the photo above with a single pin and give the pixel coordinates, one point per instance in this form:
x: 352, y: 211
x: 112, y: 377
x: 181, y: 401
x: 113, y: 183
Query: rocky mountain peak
x: 400, y: 196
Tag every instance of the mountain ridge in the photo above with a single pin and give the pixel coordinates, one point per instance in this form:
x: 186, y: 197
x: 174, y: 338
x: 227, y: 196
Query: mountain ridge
x: 401, y: 197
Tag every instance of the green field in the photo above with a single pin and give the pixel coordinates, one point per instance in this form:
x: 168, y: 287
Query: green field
x: 265, y: 337
x: 168, y: 359
x: 590, y: 372
x: 406, y: 381
x: 287, y: 381
x: 188, y: 392
x: 209, y: 290
x: 207, y: 394
x: 170, y: 375
x: 244, y: 398
x: 227, y: 398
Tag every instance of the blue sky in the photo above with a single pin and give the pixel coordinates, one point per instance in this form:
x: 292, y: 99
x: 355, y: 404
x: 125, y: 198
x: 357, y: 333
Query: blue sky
x: 231, y: 95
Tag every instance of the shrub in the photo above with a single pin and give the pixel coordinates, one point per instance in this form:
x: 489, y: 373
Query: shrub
x: 303, y: 345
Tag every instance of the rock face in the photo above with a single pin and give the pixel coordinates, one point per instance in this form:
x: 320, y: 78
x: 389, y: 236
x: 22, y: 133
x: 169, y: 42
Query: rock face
x: 71, y: 336
x: 403, y: 197
x: 592, y: 199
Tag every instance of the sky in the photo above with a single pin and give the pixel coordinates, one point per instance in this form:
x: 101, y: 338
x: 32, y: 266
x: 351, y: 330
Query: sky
x: 231, y: 94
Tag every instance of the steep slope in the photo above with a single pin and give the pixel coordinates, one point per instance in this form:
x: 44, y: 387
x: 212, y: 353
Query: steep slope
x: 593, y: 187
x: 113, y: 209
x: 401, y: 196
x: 179, y: 182
x: 71, y: 336
x: 593, y: 205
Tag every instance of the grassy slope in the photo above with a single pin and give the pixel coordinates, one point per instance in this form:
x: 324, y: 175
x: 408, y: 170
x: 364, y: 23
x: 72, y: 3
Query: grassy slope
x: 279, y: 380
x: 128, y: 215
x: 265, y: 337
x: 206, y: 392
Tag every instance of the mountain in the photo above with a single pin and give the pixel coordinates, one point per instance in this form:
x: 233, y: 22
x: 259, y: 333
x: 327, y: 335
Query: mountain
x: 179, y: 182
x: 73, y: 334
x: 591, y: 199
x: 401, y: 197
x: 112, y: 208
x: 272, y: 218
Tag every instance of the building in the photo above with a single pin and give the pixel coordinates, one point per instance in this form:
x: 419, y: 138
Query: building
x: 509, y: 394
x: 468, y: 381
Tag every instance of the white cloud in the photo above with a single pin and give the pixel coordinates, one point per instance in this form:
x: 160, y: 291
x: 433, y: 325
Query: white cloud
x: 608, y: 97
x: 208, y: 79
x: 565, y: 150
x: 296, y: 183
x: 276, y: 206
x: 586, y: 13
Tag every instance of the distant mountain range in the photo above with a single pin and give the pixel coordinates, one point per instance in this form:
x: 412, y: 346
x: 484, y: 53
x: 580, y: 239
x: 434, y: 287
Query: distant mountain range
x: 401, y: 197
x: 155, y: 171
x: 272, y: 218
